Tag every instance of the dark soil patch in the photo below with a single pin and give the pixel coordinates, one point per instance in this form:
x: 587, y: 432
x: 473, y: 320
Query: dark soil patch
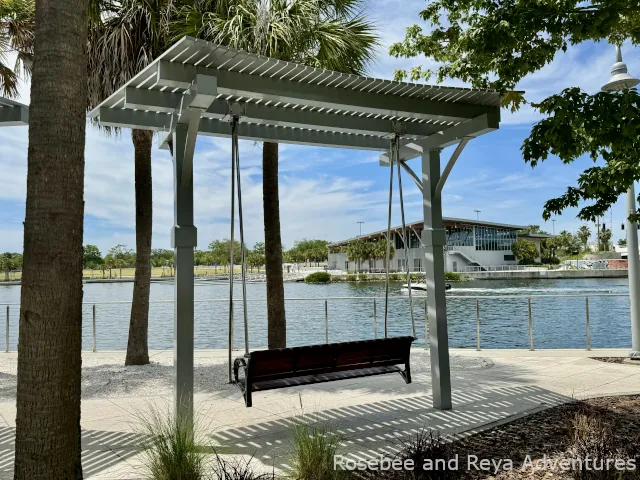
x: 624, y: 360
x: 605, y: 427
x: 548, y: 433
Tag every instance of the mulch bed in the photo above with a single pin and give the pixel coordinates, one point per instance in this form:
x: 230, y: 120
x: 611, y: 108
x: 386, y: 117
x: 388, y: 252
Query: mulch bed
x: 617, y: 360
x: 546, y: 434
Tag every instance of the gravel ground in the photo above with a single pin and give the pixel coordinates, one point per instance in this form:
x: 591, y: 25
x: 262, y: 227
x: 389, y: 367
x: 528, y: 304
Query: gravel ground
x: 107, y: 377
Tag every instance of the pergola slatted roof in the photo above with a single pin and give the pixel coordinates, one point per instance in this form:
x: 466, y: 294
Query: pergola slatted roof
x: 288, y: 102
x: 13, y: 113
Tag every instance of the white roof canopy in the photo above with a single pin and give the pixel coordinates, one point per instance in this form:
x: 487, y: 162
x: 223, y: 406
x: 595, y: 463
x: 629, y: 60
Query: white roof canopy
x: 13, y: 113
x: 291, y: 103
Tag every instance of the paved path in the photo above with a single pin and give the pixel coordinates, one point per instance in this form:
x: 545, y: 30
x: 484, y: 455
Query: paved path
x: 370, y: 413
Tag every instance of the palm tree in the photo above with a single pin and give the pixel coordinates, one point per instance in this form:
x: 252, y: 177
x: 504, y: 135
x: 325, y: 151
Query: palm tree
x: 131, y: 35
x: 330, y: 34
x: 16, y: 36
x: 50, y: 337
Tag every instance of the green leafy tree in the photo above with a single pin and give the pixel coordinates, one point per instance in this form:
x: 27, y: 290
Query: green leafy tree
x: 161, y: 257
x: 331, y: 34
x: 220, y: 251
x: 255, y: 256
x: 622, y: 242
x: 91, y: 258
x: 9, y: 262
x: 494, y: 44
x: 584, y: 233
x: 525, y: 250
x: 312, y: 250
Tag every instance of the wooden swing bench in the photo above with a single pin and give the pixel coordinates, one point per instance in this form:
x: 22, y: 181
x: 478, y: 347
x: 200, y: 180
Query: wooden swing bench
x: 290, y: 367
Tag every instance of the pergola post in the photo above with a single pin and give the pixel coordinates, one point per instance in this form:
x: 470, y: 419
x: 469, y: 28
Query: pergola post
x: 434, y: 240
x: 183, y: 241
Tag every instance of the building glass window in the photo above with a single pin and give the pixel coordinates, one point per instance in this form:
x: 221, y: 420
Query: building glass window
x: 459, y: 236
x: 494, y: 239
x: 417, y: 265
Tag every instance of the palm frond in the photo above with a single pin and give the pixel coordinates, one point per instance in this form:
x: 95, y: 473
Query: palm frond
x: 8, y: 81
x: 331, y: 34
x: 17, y: 23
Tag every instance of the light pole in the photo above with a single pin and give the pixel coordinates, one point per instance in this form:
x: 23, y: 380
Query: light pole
x: 477, y: 214
x: 553, y: 221
x: 621, y: 80
x: 360, y: 223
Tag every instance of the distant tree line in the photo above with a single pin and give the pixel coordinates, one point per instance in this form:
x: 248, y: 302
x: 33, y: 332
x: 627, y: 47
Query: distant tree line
x: 359, y: 250
x: 565, y: 244
x: 217, y: 253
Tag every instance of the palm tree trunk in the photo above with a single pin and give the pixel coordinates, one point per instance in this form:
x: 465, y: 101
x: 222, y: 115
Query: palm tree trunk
x: 137, y: 346
x: 47, y: 441
x: 277, y: 325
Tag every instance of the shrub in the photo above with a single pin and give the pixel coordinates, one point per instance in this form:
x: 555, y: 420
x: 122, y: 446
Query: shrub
x: 318, y: 277
x: 453, y: 277
x: 314, y: 450
x: 362, y: 277
x: 591, y: 437
x: 428, y: 450
x: 237, y: 469
x: 417, y: 277
x: 395, y: 277
x: 171, y: 452
x: 550, y: 260
x: 351, y: 278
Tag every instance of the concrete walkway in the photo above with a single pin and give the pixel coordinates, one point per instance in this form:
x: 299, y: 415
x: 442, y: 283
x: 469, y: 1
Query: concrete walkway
x: 370, y: 413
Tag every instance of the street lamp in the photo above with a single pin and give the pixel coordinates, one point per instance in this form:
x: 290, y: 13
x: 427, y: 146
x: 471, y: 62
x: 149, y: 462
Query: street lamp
x: 477, y: 214
x: 621, y: 80
x: 553, y: 220
x: 360, y: 223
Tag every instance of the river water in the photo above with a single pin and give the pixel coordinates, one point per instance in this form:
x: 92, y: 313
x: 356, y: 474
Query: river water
x: 557, y: 322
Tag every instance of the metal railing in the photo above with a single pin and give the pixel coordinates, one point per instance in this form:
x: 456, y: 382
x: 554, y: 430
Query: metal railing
x: 374, y: 299
x: 506, y: 268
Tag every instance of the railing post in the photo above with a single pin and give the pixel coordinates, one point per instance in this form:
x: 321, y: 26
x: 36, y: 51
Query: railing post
x: 7, y: 332
x: 94, y: 328
x: 375, y: 320
x: 426, y: 326
x: 588, y: 326
x: 530, y: 325
x: 326, y: 321
x: 478, y: 323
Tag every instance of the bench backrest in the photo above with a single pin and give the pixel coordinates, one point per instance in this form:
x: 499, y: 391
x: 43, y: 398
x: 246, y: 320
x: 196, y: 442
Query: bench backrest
x: 325, y: 358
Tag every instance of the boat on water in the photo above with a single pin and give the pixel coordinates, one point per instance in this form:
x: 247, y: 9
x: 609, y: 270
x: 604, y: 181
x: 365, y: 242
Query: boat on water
x: 422, y: 287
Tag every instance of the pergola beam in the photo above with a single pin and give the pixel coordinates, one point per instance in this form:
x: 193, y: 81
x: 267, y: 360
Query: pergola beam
x: 166, y: 101
x: 14, y: 115
x: 247, y: 131
x: 270, y: 89
x: 451, y: 136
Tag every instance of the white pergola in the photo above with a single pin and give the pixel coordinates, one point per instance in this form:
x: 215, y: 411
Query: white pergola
x: 196, y: 87
x: 13, y: 113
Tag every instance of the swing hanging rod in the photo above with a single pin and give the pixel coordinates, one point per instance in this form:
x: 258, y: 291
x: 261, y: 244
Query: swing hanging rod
x: 235, y: 111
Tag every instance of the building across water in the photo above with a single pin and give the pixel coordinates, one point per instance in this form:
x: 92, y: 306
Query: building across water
x: 472, y: 245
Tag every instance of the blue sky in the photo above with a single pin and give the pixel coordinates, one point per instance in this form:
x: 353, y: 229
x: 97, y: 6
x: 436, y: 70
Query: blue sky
x: 325, y: 192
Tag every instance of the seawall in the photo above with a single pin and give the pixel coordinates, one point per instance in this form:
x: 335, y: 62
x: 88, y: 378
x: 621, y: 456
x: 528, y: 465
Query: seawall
x: 547, y: 274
